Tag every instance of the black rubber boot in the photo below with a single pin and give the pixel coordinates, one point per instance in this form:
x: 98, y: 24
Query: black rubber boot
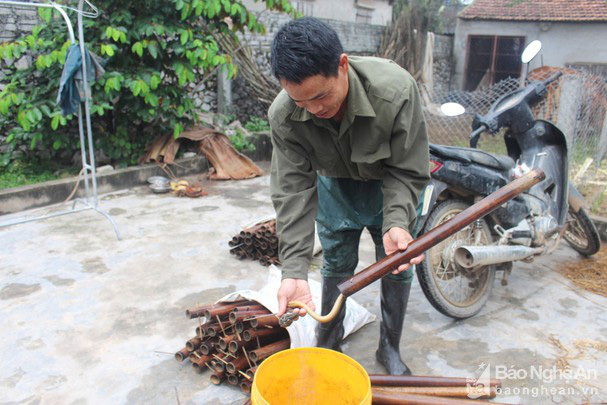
x: 394, y: 298
x: 329, y: 335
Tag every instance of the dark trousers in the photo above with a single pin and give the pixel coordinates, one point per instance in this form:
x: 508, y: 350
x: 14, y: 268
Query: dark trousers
x: 345, y: 208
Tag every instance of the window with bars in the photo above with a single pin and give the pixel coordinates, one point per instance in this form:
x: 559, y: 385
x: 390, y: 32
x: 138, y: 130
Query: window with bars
x: 492, y: 59
x: 364, y: 14
x: 305, y: 7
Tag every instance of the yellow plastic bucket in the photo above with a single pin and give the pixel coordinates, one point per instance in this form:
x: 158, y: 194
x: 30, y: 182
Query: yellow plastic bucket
x: 310, y: 375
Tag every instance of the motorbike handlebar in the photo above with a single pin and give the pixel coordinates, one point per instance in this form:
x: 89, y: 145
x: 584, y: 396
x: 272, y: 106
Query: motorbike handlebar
x: 475, y: 135
x: 478, y: 131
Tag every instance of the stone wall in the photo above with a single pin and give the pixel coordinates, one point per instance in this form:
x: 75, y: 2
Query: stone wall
x: 443, y: 62
x: 357, y: 39
x: 15, y: 21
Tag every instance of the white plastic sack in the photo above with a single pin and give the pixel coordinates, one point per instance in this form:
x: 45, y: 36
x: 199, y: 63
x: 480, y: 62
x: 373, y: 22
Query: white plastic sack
x: 302, y: 331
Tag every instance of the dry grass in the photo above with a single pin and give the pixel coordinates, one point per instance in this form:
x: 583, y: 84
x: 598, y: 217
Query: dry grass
x: 592, y: 185
x: 582, y: 349
x: 589, y: 273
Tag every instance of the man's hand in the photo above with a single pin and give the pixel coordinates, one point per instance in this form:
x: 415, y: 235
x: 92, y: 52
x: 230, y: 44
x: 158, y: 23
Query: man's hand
x: 292, y: 289
x: 399, y: 239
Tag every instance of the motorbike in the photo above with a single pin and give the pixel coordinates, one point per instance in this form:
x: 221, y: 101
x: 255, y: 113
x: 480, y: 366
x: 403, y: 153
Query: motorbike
x: 458, y: 274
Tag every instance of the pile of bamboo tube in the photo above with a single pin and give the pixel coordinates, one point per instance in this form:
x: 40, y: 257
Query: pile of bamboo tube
x: 258, y: 242
x: 233, y: 340
x: 426, y: 390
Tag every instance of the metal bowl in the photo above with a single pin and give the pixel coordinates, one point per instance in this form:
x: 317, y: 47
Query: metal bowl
x: 159, y: 180
x: 160, y: 188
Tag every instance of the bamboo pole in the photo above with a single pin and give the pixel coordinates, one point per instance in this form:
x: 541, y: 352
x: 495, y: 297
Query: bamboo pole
x: 387, y: 380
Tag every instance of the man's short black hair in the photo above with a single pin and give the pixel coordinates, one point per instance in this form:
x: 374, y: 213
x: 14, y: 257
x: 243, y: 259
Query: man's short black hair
x: 303, y: 48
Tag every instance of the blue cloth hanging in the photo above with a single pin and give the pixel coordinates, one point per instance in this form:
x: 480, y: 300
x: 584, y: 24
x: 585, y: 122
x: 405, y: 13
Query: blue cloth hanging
x: 71, y: 92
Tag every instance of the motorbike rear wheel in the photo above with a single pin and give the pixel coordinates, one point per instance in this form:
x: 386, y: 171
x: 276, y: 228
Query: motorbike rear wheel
x: 581, y: 234
x: 453, y: 290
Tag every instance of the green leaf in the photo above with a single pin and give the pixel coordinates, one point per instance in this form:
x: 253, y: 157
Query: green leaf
x: 154, y: 82
x: 57, y: 144
x: 107, y: 50
x: 35, y: 139
x: 179, y: 68
x: 185, y: 12
x: 159, y: 29
x: 184, y: 37
x: 138, y: 48
x: 145, y: 89
x: 115, y: 35
x: 109, y: 85
x: 45, y: 14
x: 4, y: 104
x: 31, y: 116
x: 23, y: 121
x: 30, y: 40
x: 37, y: 114
x: 153, y: 49
x: 151, y: 99
x: 182, y: 77
x: 40, y: 62
x: 178, y: 130
x: 199, y: 9
x: 46, y: 110
x: 118, y: 83
x: 55, y: 122
x: 137, y: 88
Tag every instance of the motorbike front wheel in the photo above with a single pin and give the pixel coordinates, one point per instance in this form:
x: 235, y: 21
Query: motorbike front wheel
x: 451, y: 289
x: 581, y: 234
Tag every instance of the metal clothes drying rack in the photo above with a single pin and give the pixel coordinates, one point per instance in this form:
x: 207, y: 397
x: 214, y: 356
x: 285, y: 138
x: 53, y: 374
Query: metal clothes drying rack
x: 90, y: 201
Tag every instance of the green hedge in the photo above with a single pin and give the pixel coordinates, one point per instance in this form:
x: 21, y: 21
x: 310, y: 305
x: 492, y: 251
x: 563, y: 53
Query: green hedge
x: 156, y: 51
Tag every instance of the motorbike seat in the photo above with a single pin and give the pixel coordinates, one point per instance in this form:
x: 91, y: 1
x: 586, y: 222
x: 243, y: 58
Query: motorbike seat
x: 470, y: 155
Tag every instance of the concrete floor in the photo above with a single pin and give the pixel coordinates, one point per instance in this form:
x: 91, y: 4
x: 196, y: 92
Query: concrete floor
x: 86, y: 319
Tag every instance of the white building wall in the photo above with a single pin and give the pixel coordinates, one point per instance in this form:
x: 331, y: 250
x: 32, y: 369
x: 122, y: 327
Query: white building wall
x: 562, y: 43
x: 342, y: 10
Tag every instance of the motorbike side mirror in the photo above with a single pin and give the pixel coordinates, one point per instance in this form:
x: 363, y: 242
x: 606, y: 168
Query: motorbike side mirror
x: 531, y: 51
x: 452, y: 109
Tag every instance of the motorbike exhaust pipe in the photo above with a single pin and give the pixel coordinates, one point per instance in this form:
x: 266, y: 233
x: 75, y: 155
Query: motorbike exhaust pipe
x: 473, y: 256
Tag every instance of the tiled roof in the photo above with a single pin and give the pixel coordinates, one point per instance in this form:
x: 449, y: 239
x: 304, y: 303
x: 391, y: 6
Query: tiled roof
x: 536, y: 10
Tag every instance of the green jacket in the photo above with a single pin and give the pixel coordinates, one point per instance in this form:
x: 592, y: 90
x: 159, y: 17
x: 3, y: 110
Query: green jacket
x: 381, y: 136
